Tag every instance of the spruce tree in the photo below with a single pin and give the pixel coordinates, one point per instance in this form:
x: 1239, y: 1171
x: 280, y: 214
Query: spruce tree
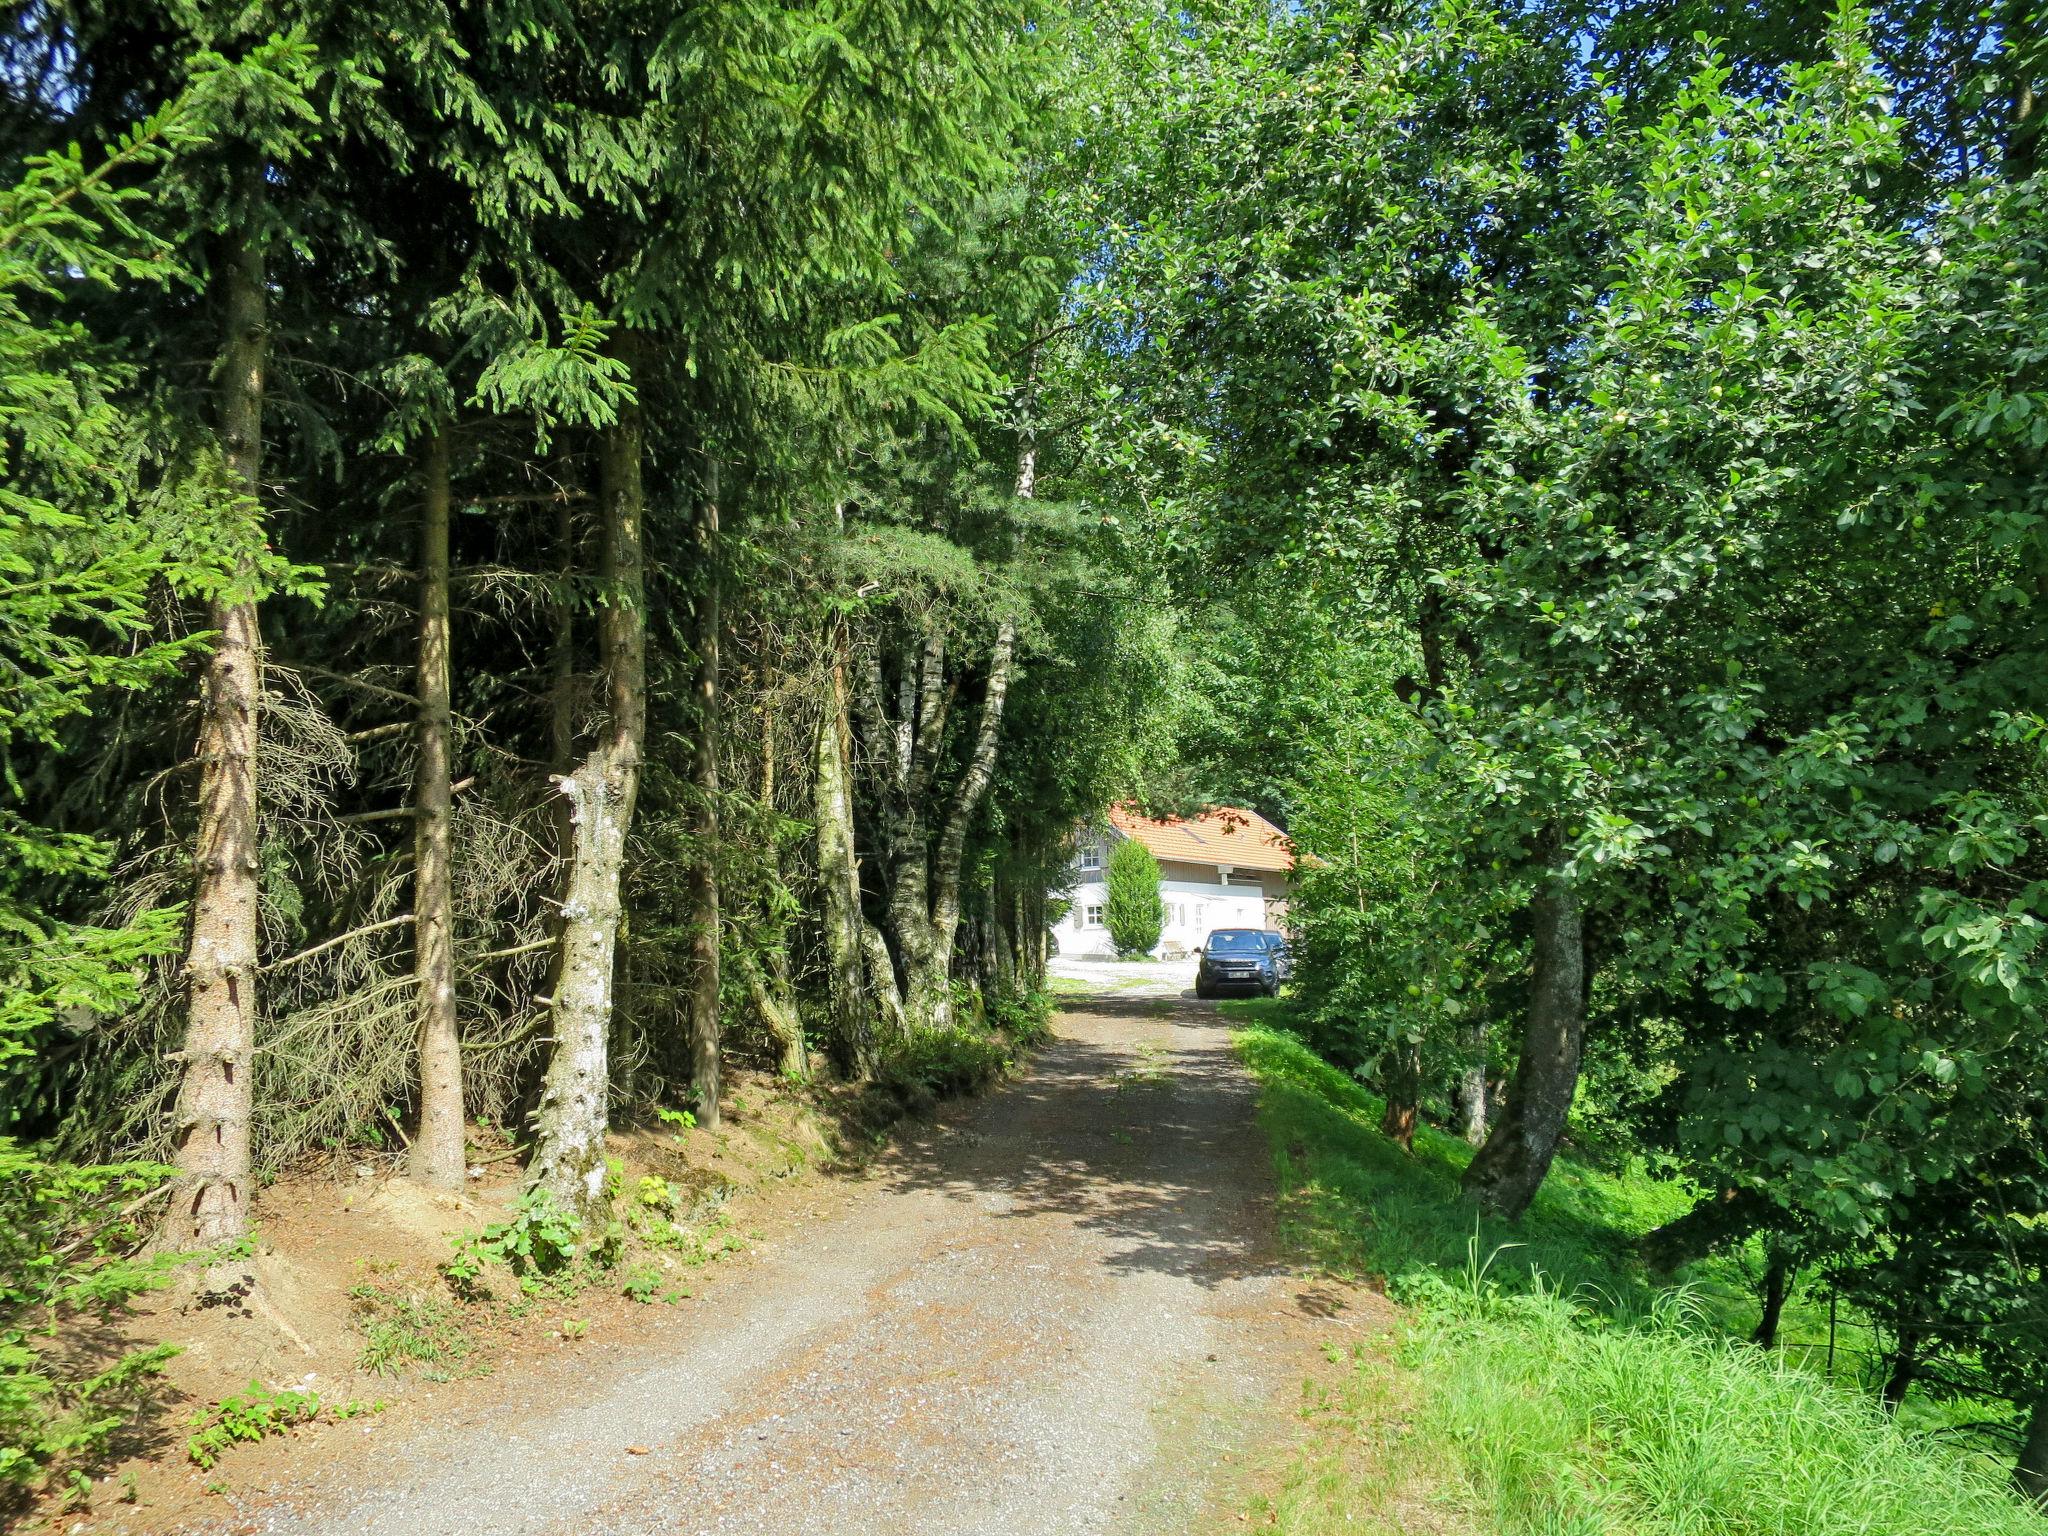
x: 1132, y: 911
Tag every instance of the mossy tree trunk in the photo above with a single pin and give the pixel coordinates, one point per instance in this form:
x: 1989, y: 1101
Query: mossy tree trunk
x: 851, y: 1030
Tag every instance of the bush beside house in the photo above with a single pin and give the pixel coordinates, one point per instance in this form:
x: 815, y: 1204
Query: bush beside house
x: 1132, y: 911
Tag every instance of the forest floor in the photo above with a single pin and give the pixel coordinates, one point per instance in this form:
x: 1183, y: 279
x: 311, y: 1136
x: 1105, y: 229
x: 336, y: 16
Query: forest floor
x: 1063, y: 1307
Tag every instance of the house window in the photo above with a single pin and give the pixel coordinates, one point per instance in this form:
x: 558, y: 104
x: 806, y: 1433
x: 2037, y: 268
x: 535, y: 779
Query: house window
x: 1091, y: 856
x: 1092, y: 918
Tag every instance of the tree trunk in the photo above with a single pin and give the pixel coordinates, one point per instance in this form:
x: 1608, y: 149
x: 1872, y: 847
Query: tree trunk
x: 1506, y: 1172
x: 784, y: 1028
x: 2024, y: 59
x: 1002, y: 955
x: 839, y: 884
x: 1404, y: 1088
x: 436, y: 1159
x: 2030, y: 1473
x: 927, y: 985
x: 924, y: 880
x: 778, y: 983
x: 210, y: 1203
x: 1777, y: 1282
x: 1727, y: 1216
x: 561, y: 721
x: 569, y: 1125
x: 981, y: 768
x: 1010, y: 934
x: 951, y: 854
x: 892, y: 1025
x: 901, y: 754
x: 1471, y: 1085
x: 1905, y: 1365
x: 703, y: 877
x: 562, y: 654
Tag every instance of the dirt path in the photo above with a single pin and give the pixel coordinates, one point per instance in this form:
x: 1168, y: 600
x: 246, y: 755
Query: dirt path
x: 1059, y: 1311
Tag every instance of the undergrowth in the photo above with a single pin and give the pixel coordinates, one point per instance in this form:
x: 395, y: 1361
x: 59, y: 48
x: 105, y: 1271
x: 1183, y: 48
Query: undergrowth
x: 257, y: 1414
x: 71, y: 1257
x: 962, y: 1059
x: 1549, y: 1389
x: 411, y: 1332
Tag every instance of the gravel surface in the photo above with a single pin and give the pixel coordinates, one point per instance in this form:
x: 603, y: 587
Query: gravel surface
x: 1130, y: 978
x: 1059, y: 1310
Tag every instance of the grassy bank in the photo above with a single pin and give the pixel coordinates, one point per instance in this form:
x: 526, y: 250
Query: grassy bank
x: 1541, y: 1386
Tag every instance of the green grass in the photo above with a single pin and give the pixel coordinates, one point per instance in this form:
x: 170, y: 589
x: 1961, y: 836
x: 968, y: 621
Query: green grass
x: 412, y: 1332
x: 1540, y: 1384
x: 1361, y: 1206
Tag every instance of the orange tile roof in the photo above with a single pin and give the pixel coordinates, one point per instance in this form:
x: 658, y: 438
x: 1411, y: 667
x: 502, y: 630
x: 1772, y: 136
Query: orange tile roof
x: 1222, y: 834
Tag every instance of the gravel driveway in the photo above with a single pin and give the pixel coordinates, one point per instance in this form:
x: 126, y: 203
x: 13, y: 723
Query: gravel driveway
x: 1059, y: 1310
x: 1129, y: 978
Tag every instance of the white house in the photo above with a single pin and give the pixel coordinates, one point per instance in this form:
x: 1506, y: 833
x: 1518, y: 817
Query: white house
x: 1226, y: 868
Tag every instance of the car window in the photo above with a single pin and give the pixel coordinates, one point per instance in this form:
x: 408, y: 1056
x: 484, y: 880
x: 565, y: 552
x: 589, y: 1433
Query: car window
x: 1235, y: 943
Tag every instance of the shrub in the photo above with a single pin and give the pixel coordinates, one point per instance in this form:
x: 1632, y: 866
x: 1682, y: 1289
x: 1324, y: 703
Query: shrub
x: 942, y: 1063
x: 248, y: 1416
x: 1026, y: 1017
x: 1131, y: 910
x: 544, y: 1246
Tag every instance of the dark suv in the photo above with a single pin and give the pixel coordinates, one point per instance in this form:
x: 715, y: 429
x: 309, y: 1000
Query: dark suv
x: 1237, y: 959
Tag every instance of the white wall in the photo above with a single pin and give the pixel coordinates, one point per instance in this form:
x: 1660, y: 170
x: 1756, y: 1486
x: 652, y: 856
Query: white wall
x: 1197, y: 903
x: 1196, y: 908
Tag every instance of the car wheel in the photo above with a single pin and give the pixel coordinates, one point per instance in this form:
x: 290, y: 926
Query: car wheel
x: 1203, y: 991
x: 1271, y: 989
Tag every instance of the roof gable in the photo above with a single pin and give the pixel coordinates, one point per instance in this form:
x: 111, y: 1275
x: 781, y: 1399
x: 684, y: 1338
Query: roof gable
x: 1222, y: 834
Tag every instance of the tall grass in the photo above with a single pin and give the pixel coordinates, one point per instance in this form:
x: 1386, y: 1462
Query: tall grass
x: 1541, y: 1385
x: 1654, y: 1429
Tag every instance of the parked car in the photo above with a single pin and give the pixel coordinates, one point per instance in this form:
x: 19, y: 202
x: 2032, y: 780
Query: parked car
x: 1237, y: 960
x: 1283, y: 957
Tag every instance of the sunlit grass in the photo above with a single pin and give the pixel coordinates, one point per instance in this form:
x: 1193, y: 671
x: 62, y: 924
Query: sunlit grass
x: 1542, y: 1385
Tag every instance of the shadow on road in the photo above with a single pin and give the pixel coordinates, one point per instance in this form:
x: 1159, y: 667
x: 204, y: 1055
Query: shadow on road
x: 1141, y: 1137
